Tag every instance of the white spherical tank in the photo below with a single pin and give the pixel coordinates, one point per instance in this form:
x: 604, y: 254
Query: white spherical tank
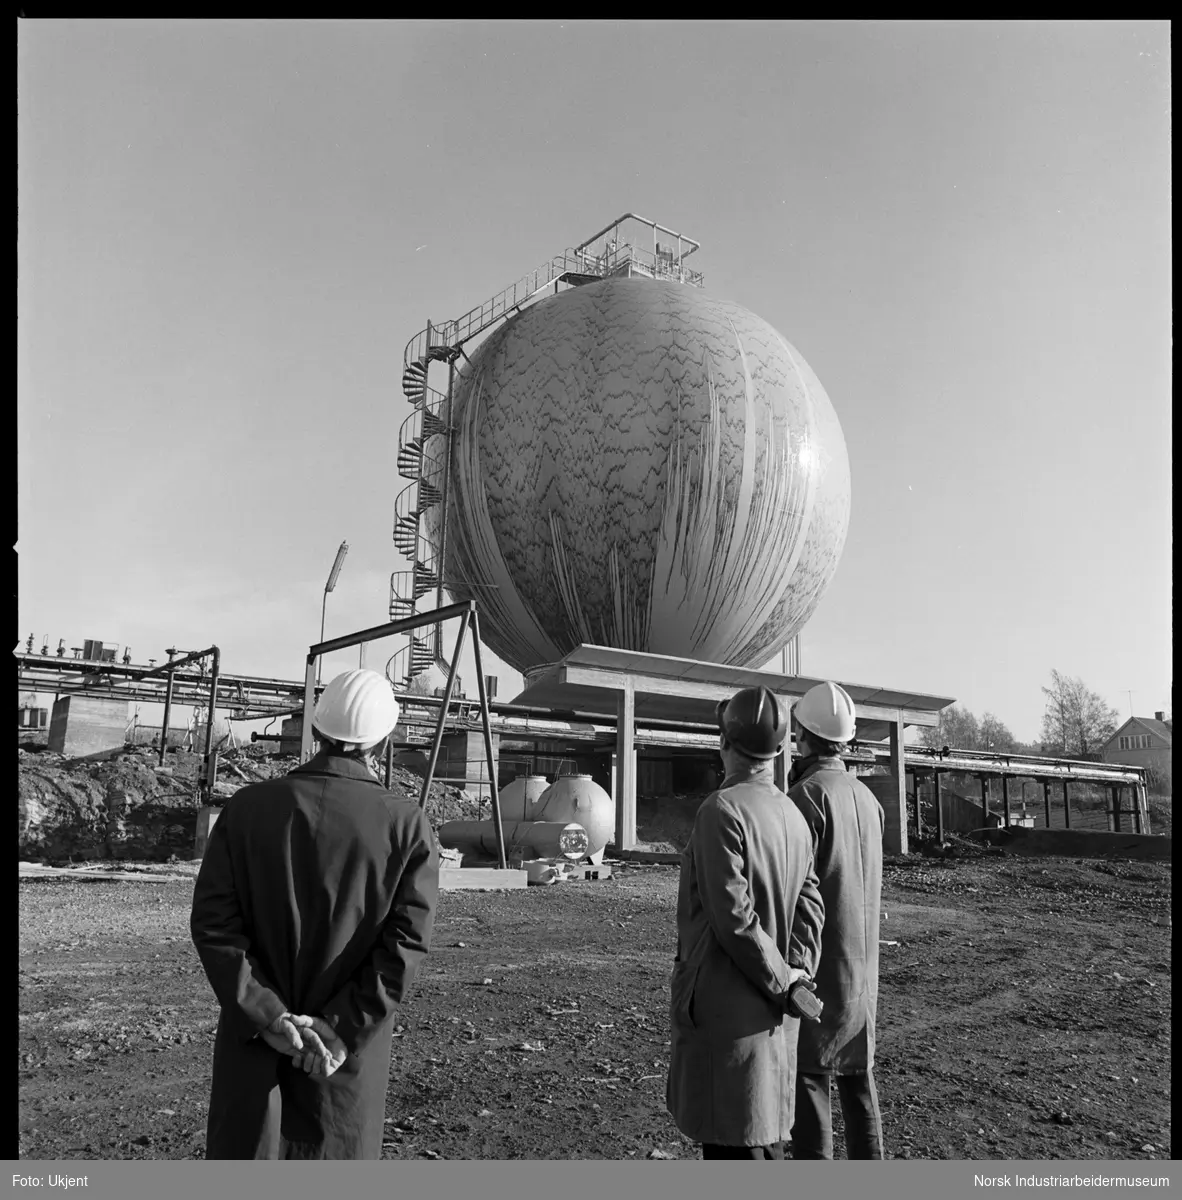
x: 580, y: 799
x: 519, y: 798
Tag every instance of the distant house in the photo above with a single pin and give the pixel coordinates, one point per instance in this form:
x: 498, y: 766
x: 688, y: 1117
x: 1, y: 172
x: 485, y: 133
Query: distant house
x: 1143, y: 742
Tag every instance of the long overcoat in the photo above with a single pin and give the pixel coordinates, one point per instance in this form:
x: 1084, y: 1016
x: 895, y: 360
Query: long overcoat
x: 748, y: 908
x: 316, y: 895
x: 845, y: 821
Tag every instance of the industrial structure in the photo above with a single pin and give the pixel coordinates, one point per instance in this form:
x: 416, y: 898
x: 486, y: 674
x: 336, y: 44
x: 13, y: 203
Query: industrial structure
x: 430, y: 515
x: 521, y: 495
x: 597, y: 703
x: 637, y: 495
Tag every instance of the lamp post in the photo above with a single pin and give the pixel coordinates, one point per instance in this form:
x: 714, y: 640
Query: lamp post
x: 332, y: 582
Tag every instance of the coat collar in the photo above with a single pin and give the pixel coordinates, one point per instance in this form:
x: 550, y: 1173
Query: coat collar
x: 328, y: 763
x: 747, y: 775
x: 805, y: 768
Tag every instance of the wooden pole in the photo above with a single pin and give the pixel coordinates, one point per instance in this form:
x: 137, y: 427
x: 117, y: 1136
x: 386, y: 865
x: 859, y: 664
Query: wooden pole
x: 985, y: 798
x: 1046, y: 800
x: 1005, y: 800
x: 1066, y: 807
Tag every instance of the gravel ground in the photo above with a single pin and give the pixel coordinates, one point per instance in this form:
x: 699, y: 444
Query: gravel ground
x: 1024, y: 1014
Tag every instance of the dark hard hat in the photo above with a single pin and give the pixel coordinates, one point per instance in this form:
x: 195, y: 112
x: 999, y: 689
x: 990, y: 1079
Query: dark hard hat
x: 754, y: 721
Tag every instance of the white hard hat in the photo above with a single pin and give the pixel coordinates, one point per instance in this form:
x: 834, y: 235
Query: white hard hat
x: 356, y: 708
x: 827, y: 711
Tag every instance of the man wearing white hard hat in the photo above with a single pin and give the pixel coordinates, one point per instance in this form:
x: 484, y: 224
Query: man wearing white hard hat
x: 846, y: 823
x: 311, y: 914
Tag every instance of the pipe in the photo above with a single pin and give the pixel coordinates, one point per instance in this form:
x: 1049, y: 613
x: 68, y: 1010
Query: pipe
x: 390, y: 628
x: 167, y: 709
x: 644, y: 221
x: 165, y: 667
x: 211, y: 757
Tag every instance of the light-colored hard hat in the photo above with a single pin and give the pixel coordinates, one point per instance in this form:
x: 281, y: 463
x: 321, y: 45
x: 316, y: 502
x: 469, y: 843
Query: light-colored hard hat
x: 357, y: 708
x: 827, y: 711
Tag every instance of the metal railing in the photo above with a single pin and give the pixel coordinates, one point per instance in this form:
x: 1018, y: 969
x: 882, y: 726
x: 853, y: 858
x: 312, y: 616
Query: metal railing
x: 569, y: 263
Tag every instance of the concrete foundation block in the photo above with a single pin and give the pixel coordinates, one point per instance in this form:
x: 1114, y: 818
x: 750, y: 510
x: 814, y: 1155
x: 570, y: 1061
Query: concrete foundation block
x: 85, y: 725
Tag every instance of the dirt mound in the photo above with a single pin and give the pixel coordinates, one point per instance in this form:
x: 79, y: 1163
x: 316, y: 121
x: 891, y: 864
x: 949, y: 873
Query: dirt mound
x: 120, y: 808
x: 124, y: 806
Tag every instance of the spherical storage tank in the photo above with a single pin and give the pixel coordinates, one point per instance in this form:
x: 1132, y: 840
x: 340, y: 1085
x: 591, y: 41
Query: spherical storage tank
x: 520, y: 797
x: 642, y: 465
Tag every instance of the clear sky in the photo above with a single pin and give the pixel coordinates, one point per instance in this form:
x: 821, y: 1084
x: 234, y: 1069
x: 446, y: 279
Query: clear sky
x: 229, y: 230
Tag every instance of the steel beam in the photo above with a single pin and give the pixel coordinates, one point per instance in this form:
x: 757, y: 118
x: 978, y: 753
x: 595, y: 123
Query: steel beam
x: 895, y: 811
x: 625, y: 769
x: 377, y: 632
x: 643, y: 685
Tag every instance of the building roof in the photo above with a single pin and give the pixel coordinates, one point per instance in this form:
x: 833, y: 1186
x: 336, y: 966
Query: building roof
x: 589, y: 679
x: 1160, y: 729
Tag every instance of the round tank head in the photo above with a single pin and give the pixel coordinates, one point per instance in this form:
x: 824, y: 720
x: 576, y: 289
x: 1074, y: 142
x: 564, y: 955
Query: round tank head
x: 574, y: 843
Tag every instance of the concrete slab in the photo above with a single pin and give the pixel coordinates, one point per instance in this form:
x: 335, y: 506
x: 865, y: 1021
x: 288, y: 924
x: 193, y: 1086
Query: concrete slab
x: 92, y: 875
x: 647, y: 856
x: 481, y: 879
x: 1083, y: 843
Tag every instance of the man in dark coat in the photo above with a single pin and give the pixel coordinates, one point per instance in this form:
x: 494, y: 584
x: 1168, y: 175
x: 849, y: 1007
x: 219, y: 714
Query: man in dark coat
x: 312, y: 911
x: 845, y: 822
x: 749, y: 918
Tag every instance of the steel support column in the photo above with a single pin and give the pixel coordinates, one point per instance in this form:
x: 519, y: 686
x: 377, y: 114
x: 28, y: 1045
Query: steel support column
x: 167, y: 710
x: 488, y: 747
x: 309, y: 706
x: 211, y: 760
x: 939, y: 808
x: 895, y: 812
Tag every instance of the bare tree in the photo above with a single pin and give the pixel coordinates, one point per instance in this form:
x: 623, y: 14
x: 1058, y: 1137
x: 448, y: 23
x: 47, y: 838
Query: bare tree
x: 1076, y: 720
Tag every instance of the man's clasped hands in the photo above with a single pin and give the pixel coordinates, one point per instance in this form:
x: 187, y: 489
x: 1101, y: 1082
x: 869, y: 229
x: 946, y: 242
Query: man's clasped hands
x: 311, y: 1041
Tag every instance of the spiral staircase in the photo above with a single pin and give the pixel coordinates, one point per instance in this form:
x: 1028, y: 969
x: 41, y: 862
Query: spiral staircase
x: 424, y: 440
x: 424, y: 490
